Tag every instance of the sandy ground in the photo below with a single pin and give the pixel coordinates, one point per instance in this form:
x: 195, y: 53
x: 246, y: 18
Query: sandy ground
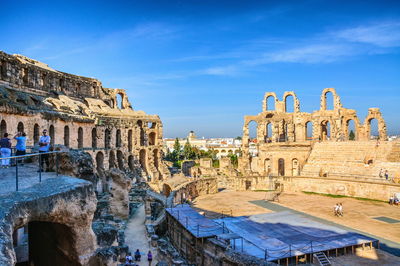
x: 357, y: 214
x: 136, y: 237
x: 366, y: 258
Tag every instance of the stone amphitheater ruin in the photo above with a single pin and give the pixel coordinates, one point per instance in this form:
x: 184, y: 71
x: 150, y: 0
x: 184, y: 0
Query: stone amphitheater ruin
x: 111, y: 165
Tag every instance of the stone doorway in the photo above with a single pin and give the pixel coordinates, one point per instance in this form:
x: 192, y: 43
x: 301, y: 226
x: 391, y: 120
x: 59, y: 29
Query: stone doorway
x: 248, y: 185
x: 281, y: 167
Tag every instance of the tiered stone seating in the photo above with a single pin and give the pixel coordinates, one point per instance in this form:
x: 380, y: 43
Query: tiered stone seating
x: 353, y: 158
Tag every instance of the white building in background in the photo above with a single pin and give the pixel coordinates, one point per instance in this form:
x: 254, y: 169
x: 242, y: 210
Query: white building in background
x: 222, y: 146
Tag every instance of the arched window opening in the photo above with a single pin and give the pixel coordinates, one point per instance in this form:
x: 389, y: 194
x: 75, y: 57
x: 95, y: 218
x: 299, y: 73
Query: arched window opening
x: 281, y: 167
x: 289, y: 104
x: 267, y: 166
x: 140, y: 124
x: 131, y: 163
x: 66, y: 136
x: 130, y: 140
x: 119, y: 99
x: 325, y: 130
x: 80, y: 138
x: 36, y: 134
x: 107, y: 138
x: 3, y: 128
x: 329, y: 101
x: 351, y: 130
x: 52, y: 135
x: 268, y: 135
x: 94, y: 138
x: 309, y: 130
x: 252, y: 126
x: 118, y: 138
x: 373, y: 128
x: 155, y: 157
x: 20, y: 127
x: 142, y: 159
x: 270, y: 103
x: 111, y: 160
x: 295, y: 167
x: 120, y: 159
x: 99, y: 162
x: 153, y: 125
x: 152, y: 138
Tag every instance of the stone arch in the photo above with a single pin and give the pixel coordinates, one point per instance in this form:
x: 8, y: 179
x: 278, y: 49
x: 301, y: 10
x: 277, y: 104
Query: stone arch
x: 111, y: 160
x: 118, y: 138
x: 130, y: 140
x: 336, y: 99
x: 119, y: 99
x: 326, y: 130
x: 94, y: 138
x: 141, y: 138
x: 143, y: 159
x: 107, y: 138
x: 152, y: 138
x: 120, y: 160
x: 99, y: 161
x: 351, y: 125
x: 252, y: 128
x: 267, y: 107
x: 296, y: 102
x: 80, y: 138
x: 267, y: 166
x: 36, y: 134
x: 3, y: 128
x: 156, y: 158
x: 268, y: 132
x: 374, y: 113
x: 309, y: 132
x: 20, y: 127
x: 295, y: 167
x: 52, y: 134
x: 153, y: 125
x: 131, y: 162
x: 66, y: 136
x: 281, y: 167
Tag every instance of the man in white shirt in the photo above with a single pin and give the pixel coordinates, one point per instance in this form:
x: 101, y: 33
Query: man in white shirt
x: 44, y: 147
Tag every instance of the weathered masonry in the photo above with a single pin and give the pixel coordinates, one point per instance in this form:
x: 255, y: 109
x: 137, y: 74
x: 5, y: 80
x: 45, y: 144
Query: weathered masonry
x: 331, y: 141
x: 79, y: 113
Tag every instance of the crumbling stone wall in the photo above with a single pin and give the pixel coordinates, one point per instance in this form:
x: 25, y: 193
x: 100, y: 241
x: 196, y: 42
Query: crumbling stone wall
x: 79, y: 113
x: 282, y: 142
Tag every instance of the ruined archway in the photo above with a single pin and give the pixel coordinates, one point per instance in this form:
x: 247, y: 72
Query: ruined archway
x: 281, y: 167
x: 373, y: 128
x: 309, y: 130
x: 131, y: 163
x: 120, y: 159
x: 94, y: 138
x: 107, y: 138
x: 289, y: 103
x: 36, y: 134
x: 52, y: 134
x: 295, y: 167
x: 80, y: 138
x: 155, y: 158
x: 3, y: 127
x: 152, y: 138
x: 99, y: 161
x: 325, y: 130
x: 267, y: 166
x: 141, y: 133
x: 66, y: 136
x: 20, y: 127
x: 269, y: 102
x: 330, y: 100
x: 268, y: 132
x: 142, y: 159
x: 252, y: 129
x: 351, y: 130
x: 118, y: 138
x: 130, y: 140
x: 111, y: 160
x: 119, y: 98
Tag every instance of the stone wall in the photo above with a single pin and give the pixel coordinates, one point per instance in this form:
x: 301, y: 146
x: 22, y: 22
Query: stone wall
x: 54, y: 206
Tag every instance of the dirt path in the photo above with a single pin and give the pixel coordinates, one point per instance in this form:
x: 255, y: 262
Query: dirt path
x: 136, y: 237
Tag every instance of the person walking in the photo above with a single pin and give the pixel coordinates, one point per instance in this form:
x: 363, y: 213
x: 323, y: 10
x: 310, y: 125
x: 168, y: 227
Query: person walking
x: 149, y: 257
x: 5, y: 148
x: 44, y: 147
x: 137, y: 255
x: 20, y: 137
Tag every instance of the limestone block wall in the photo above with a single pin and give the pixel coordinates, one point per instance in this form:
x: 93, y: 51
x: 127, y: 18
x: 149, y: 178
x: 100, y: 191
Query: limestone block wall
x: 195, y: 188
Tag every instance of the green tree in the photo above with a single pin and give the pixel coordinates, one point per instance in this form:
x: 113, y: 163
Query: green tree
x: 352, y: 136
x: 177, y: 146
x: 238, y: 138
x: 188, y: 153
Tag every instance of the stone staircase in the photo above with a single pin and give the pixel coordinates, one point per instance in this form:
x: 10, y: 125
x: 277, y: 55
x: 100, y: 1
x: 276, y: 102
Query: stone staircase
x: 321, y: 259
x: 353, y: 158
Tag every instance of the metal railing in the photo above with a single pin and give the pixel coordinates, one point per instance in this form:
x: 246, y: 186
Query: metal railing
x: 17, y: 163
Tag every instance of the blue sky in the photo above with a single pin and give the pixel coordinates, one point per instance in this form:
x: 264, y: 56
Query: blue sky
x: 203, y: 65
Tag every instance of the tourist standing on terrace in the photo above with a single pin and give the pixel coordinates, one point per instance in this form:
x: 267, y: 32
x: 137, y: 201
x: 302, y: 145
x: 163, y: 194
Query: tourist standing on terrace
x: 44, y: 146
x: 20, y: 137
x: 5, y: 144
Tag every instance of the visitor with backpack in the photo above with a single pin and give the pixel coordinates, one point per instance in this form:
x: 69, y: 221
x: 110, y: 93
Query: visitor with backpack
x: 5, y: 148
x: 137, y: 255
x: 20, y: 137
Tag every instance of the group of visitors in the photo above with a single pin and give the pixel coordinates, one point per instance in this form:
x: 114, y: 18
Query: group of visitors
x: 20, y: 148
x: 394, y: 200
x: 338, y: 209
x: 384, y: 174
x: 137, y: 255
